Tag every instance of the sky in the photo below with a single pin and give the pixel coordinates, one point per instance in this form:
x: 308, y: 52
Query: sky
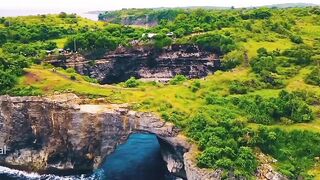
x: 89, y: 5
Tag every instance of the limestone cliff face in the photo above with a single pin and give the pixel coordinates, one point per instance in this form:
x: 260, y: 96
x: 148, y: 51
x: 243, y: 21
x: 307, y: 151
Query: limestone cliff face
x: 57, y: 134
x: 139, y: 21
x: 144, y: 63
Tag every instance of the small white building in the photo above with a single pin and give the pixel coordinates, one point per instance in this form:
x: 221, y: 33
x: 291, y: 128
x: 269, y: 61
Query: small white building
x: 149, y: 35
x: 170, y: 34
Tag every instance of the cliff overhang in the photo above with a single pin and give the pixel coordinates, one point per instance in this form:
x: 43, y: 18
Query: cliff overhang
x: 142, y: 62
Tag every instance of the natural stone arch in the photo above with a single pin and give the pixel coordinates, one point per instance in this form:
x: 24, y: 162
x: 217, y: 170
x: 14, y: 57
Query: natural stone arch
x: 69, y: 136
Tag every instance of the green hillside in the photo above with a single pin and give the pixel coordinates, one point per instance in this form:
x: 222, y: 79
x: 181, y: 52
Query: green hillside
x: 265, y: 98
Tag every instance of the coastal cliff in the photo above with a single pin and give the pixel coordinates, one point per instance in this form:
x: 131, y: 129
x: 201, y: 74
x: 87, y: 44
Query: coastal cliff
x: 143, y: 63
x: 59, y: 134
x: 64, y: 134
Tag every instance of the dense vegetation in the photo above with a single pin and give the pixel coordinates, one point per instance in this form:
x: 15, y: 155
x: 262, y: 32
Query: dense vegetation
x: 265, y: 99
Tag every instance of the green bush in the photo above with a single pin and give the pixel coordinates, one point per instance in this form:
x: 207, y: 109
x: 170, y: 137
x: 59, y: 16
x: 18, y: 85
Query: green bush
x: 25, y: 91
x: 7, y: 80
x: 90, y: 80
x: 296, y: 39
x: 269, y: 111
x: 178, y: 79
x: 299, y: 55
x: 132, y: 83
x: 222, y: 144
x: 11, y: 67
x: 300, y: 146
x: 217, y: 43
x: 314, y: 77
x: 70, y: 70
x: 195, y: 86
x: 73, y: 77
x: 237, y: 87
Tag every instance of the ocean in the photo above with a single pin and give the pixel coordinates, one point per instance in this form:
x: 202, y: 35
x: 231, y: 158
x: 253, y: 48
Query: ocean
x: 27, y: 12
x: 139, y: 158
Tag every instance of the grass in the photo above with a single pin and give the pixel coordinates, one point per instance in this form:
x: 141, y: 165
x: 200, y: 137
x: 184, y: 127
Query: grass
x: 54, y: 20
x: 49, y: 82
x: 60, y: 42
x: 315, y: 171
x: 179, y: 96
x: 252, y: 46
x: 297, y: 82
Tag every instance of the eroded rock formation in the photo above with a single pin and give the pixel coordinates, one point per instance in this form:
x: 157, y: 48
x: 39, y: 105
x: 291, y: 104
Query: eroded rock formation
x: 142, y: 62
x: 61, y: 134
x: 56, y: 134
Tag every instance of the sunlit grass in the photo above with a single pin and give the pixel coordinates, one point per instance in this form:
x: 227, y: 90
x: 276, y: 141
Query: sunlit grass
x: 252, y: 46
x: 60, y: 42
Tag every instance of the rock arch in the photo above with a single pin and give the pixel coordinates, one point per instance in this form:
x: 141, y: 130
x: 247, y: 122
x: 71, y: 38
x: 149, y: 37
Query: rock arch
x: 59, y: 134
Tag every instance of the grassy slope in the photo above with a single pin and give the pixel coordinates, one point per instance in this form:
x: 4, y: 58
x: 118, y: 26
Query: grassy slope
x: 180, y: 96
x: 54, y: 20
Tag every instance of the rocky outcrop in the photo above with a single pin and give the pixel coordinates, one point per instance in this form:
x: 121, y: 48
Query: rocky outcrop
x: 129, y: 20
x: 142, y: 62
x: 265, y: 171
x: 56, y: 134
x: 196, y: 173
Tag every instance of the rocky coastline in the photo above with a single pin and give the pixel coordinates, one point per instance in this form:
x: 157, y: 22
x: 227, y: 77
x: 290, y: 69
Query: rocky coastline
x: 66, y: 134
x: 58, y: 133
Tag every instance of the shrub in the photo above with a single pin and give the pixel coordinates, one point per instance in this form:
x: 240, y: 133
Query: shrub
x: 70, y: 70
x: 132, y: 83
x: 195, y: 86
x: 237, y: 87
x: 25, y: 91
x: 90, y: 80
x: 299, y: 55
x: 314, y: 77
x: 301, y: 146
x: 7, y: 80
x: 217, y: 43
x: 269, y: 111
x: 230, y: 63
x: 296, y: 39
x: 73, y: 77
x: 215, y: 99
x: 222, y: 144
x: 178, y: 79
x: 266, y: 63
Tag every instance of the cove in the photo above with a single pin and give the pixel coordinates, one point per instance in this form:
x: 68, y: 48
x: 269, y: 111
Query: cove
x: 139, y: 158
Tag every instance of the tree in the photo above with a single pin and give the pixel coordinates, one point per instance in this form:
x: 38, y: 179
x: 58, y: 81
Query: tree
x: 246, y: 161
x: 161, y: 40
x: 262, y: 52
x: 217, y: 43
x: 300, y: 55
x: 7, y: 80
x: 63, y: 15
x: 263, y: 63
x: 3, y: 37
